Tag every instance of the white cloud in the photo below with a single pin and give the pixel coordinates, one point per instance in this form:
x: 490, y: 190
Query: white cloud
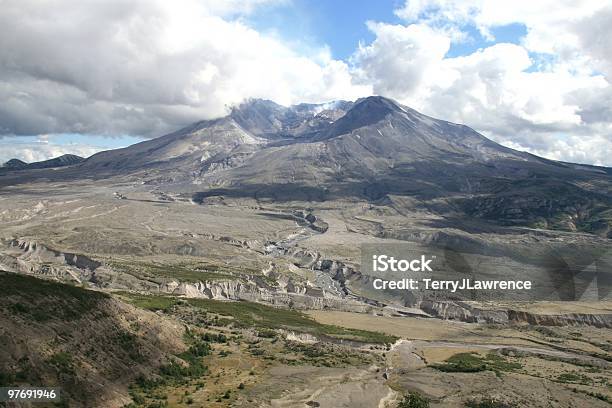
x: 146, y: 66
x: 397, y: 62
x: 547, y: 21
x: 561, y: 110
x: 573, y: 149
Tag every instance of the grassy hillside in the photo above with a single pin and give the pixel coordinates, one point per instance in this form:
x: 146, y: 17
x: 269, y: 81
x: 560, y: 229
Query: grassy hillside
x: 249, y: 314
x: 83, y: 341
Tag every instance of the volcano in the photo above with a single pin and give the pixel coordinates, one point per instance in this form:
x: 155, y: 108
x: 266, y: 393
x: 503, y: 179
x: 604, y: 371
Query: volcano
x: 373, y: 149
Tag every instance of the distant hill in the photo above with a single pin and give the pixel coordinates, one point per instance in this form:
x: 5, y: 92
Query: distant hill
x: 15, y: 164
x: 61, y: 161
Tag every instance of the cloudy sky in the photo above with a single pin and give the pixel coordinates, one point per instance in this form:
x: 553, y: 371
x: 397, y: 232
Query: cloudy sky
x: 79, y: 76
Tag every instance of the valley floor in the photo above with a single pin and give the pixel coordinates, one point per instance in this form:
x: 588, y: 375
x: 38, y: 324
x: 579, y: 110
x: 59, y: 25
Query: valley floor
x: 166, y: 302
x: 244, y: 354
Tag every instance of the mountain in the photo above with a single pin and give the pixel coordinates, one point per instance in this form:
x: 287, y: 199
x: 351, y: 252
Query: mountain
x: 61, y: 161
x: 201, y: 146
x: 373, y: 149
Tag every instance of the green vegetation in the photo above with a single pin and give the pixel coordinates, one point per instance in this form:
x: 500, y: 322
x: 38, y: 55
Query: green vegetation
x: 414, y: 400
x: 199, y: 348
x: 574, y: 377
x: 463, y: 363
x: 179, y: 374
x: 248, y: 314
x: 176, y: 372
x: 214, y: 337
x: 471, y: 363
x: 150, y: 302
x: 62, y: 361
x: 320, y: 354
x: 195, y: 337
x: 172, y: 374
x: 128, y: 343
x: 42, y: 300
x: 185, y: 272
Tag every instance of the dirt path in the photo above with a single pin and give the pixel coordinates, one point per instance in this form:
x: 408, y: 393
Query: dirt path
x: 334, y: 388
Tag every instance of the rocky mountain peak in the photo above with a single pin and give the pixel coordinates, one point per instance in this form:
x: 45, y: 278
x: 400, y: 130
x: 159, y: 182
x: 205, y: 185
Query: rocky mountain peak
x: 364, y: 112
x: 376, y: 102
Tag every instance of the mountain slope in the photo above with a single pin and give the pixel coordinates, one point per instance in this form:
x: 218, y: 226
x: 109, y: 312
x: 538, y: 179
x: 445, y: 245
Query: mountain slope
x: 381, y: 149
x: 87, y: 342
x: 373, y: 149
x: 188, y: 147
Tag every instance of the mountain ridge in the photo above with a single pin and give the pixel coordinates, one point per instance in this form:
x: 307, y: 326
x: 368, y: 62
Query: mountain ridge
x: 372, y: 149
x: 59, y: 161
